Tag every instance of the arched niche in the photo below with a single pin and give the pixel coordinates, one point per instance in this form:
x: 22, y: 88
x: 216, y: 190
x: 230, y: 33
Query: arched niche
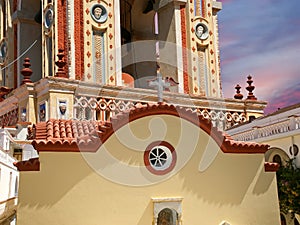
x: 276, y: 155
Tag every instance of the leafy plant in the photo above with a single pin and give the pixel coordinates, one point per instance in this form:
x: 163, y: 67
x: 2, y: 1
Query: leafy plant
x: 288, y: 182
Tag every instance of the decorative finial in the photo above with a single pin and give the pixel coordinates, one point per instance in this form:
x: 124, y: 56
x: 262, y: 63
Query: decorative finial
x: 61, y: 64
x: 238, y: 94
x: 250, y: 88
x: 26, y: 71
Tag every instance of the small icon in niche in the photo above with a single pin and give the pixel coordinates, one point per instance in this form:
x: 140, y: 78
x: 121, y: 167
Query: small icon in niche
x: 42, y: 112
x: 3, y: 51
x: 62, y: 107
x: 201, y: 31
x: 99, y: 13
x: 48, y: 17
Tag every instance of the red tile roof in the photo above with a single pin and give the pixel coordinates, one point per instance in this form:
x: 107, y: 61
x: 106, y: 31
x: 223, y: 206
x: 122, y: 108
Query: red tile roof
x: 71, y: 135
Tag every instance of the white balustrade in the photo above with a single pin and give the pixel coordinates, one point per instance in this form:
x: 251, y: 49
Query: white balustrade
x: 268, y: 129
x: 6, y: 158
x: 94, y: 108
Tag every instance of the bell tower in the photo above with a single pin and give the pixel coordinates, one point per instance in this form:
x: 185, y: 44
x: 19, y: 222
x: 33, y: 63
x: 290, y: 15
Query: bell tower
x: 203, y: 42
x: 112, y: 41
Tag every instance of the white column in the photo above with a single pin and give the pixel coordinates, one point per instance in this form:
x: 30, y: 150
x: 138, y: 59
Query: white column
x: 179, y: 48
x: 292, y: 121
x: 118, y: 43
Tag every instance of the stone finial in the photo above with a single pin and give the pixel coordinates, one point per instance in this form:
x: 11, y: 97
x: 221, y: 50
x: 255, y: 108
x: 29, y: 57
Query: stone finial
x: 250, y: 89
x: 26, y: 71
x: 238, y: 94
x: 61, y: 64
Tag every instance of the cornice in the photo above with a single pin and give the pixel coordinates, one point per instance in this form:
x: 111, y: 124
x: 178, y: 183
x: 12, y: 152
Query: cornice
x: 217, y: 6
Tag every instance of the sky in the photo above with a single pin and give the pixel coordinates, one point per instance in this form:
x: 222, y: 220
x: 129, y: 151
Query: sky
x: 261, y: 38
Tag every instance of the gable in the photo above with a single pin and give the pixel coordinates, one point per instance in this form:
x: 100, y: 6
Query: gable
x: 137, y: 129
x: 114, y: 174
x: 68, y: 135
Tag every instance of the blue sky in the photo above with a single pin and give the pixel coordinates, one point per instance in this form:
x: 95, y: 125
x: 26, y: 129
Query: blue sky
x: 261, y: 38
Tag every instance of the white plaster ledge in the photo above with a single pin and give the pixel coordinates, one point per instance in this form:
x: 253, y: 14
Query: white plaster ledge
x: 163, y: 3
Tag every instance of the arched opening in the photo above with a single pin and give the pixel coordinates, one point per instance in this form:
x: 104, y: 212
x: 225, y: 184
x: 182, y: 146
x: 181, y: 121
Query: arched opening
x: 27, y: 25
x: 277, y: 159
x: 276, y: 155
x: 167, y: 216
x: 138, y: 58
x: 148, y: 40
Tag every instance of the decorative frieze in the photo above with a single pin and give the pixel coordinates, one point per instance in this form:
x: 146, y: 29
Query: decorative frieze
x: 99, y: 108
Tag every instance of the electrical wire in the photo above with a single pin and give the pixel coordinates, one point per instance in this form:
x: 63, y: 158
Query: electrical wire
x: 11, y: 63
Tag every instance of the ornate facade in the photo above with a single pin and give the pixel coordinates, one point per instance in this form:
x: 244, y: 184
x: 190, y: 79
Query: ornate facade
x: 89, y: 70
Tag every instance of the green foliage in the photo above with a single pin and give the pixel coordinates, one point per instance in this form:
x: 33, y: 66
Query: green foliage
x: 288, y: 182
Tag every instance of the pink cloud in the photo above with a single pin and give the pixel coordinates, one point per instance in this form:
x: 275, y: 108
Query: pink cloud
x: 286, y: 97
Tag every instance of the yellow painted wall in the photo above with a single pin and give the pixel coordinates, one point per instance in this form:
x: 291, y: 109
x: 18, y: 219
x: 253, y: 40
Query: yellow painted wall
x: 113, y: 187
x: 285, y: 142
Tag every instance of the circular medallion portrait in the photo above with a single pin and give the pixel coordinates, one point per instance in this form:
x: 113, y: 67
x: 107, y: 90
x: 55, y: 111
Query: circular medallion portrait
x: 99, y: 13
x: 48, y: 17
x: 3, y: 51
x: 201, y: 31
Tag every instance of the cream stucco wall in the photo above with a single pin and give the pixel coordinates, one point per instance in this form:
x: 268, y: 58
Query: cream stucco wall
x: 112, y: 186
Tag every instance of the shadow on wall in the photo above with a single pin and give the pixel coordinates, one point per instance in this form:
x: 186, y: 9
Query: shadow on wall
x: 263, y: 182
x: 51, y: 183
x: 226, y: 181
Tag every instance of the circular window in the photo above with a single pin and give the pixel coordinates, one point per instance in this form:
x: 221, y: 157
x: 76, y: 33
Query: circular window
x: 160, y: 157
x: 294, y: 150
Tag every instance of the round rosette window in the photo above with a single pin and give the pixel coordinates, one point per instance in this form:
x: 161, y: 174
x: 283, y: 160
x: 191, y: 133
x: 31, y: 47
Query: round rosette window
x: 160, y: 157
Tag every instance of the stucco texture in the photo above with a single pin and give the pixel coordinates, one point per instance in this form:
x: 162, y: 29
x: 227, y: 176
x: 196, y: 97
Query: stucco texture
x: 112, y: 186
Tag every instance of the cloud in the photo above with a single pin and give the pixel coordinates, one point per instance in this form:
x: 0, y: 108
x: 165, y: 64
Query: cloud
x: 288, y: 96
x: 260, y: 38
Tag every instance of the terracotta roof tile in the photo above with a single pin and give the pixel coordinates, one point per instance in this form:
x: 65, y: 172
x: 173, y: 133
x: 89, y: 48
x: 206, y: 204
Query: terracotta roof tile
x: 271, y: 167
x: 68, y: 135
x: 71, y: 135
x: 28, y: 165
